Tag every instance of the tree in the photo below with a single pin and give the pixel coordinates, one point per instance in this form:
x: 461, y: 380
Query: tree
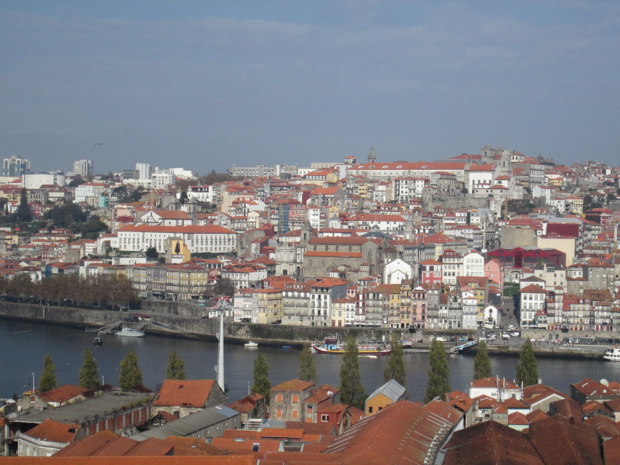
x: 395, y: 368
x: 23, y: 213
x: 527, y: 369
x: 482, y: 362
x: 47, y: 382
x: 438, y: 374
x: 307, y: 369
x: 130, y: 375
x: 89, y: 374
x: 176, y: 367
x: 351, y: 389
x: 151, y: 253
x: 262, y: 385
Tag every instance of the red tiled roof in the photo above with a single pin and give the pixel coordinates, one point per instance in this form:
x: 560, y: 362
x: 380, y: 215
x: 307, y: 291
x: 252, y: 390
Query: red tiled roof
x: 293, y: 385
x: 63, y: 393
x: 186, y: 393
x: 191, y: 229
x: 53, y: 431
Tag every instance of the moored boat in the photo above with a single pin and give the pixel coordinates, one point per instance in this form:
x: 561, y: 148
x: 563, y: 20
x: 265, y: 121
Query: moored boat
x: 362, y: 349
x: 129, y: 332
x: 251, y: 345
x: 613, y: 354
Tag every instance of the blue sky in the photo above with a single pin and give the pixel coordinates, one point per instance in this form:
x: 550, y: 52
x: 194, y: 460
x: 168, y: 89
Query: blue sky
x: 205, y: 84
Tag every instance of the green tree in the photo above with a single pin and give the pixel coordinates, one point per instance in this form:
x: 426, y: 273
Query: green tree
x: 47, y: 381
x: 176, y: 367
x: 261, y: 384
x: 395, y: 368
x: 438, y: 374
x: 89, y: 374
x: 151, y: 253
x: 482, y: 362
x: 351, y: 389
x: 307, y: 368
x: 130, y: 375
x: 527, y: 369
x: 23, y: 213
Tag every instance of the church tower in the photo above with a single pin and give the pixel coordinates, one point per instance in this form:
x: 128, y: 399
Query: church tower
x: 372, y: 158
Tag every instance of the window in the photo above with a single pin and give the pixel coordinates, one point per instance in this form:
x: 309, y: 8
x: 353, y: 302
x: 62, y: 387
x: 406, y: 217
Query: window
x: 279, y: 413
x: 324, y: 418
x: 370, y: 409
x: 278, y: 397
x: 295, y: 399
x: 295, y: 414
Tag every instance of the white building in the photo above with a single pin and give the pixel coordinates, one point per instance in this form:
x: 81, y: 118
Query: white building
x: 532, y: 302
x: 397, y: 270
x: 35, y: 181
x: 162, y: 179
x: 498, y: 389
x: 83, y: 168
x: 473, y: 264
x: 88, y: 190
x: 199, y: 239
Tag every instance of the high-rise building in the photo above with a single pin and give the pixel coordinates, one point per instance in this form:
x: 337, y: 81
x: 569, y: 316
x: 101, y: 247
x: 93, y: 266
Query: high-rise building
x: 83, y: 168
x: 15, y: 166
x: 144, y: 171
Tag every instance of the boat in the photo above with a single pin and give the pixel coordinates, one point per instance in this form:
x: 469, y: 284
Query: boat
x: 129, y: 332
x: 287, y: 347
x: 613, y: 354
x: 98, y: 341
x: 364, y: 349
x: 251, y: 345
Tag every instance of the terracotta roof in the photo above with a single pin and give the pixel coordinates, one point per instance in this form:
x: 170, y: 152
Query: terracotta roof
x: 611, y: 450
x: 53, y: 431
x: 185, y: 393
x: 492, y: 382
x: 245, y: 459
x: 400, y: 432
x: 517, y: 418
x: 63, y: 393
x: 559, y: 441
x: 490, y: 443
x: 320, y: 253
x: 293, y: 385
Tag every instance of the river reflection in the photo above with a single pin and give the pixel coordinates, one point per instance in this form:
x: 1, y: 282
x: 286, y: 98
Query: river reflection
x: 23, y: 346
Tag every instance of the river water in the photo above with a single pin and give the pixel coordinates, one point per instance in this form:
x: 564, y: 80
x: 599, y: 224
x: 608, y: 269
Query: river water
x: 23, y: 346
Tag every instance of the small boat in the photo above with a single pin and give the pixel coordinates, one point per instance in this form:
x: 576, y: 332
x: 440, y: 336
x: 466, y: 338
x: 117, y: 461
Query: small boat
x: 613, y: 354
x: 129, y: 332
x: 287, y: 347
x: 98, y: 341
x: 251, y: 345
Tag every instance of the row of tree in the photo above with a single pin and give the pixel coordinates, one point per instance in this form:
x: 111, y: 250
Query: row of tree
x: 99, y: 291
x: 351, y: 389
x: 130, y: 374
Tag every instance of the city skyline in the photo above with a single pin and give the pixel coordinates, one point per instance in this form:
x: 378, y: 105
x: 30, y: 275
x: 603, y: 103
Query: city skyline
x: 205, y: 86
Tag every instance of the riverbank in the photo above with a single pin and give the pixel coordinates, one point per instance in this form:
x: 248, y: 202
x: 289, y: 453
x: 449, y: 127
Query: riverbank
x: 175, y: 319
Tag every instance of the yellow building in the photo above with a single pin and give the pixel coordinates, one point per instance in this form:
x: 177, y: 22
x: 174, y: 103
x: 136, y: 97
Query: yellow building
x: 387, y: 394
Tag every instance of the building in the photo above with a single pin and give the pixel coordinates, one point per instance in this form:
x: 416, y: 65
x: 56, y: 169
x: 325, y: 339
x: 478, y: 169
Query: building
x: 183, y: 397
x: 288, y: 398
x: 83, y: 168
x: 390, y: 393
x: 15, y: 166
x: 199, y: 239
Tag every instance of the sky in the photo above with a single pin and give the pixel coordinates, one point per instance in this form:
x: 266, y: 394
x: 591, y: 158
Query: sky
x: 206, y: 84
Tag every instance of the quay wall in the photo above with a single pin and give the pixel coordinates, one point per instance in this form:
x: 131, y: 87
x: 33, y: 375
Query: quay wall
x: 178, y: 319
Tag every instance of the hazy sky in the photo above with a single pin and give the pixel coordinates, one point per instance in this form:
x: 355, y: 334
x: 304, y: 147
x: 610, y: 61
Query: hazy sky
x: 207, y: 84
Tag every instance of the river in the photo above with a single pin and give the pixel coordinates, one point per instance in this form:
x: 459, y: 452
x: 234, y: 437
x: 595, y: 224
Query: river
x: 23, y: 346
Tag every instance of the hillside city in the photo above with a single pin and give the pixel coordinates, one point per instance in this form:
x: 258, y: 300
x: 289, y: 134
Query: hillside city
x: 498, y: 241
